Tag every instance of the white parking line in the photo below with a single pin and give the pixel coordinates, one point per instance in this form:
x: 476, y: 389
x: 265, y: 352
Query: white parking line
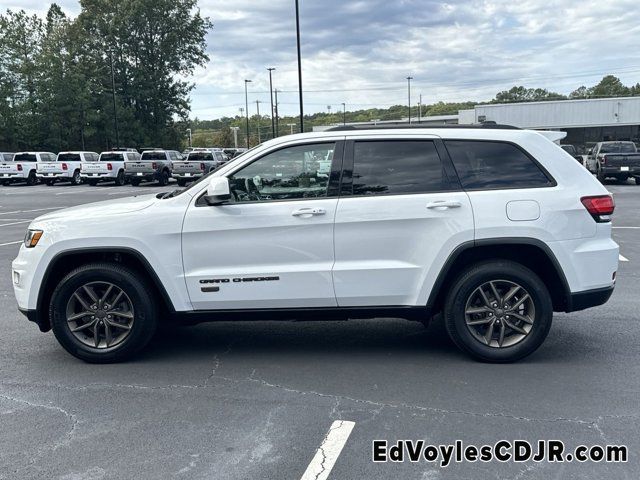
x: 326, y: 456
x: 627, y: 228
x: 15, y: 223
x: 623, y: 259
x: 11, y: 243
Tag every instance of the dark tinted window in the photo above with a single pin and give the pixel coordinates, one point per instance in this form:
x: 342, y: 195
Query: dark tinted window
x: 25, y: 157
x: 397, y: 167
x: 154, y: 156
x: 620, y: 147
x: 570, y: 149
x: 111, y: 157
x: 69, y: 157
x: 199, y: 156
x: 494, y: 165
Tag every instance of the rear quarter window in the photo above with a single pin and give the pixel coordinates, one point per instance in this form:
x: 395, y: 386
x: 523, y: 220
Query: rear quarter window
x: 494, y: 165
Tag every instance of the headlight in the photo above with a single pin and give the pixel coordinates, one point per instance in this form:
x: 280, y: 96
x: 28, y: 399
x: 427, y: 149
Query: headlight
x: 32, y: 238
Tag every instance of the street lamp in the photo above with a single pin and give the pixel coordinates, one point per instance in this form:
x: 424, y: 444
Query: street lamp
x: 409, y: 95
x: 246, y: 104
x: 189, y: 132
x: 258, y: 107
x: 344, y: 113
x: 299, y: 66
x: 276, y: 114
x: 273, y: 122
x: 235, y: 136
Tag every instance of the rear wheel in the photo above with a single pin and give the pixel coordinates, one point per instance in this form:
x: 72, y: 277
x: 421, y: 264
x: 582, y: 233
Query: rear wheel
x: 135, y: 182
x: 76, y: 180
x: 637, y: 179
x: 601, y: 176
x: 102, y: 313
x: 32, y: 179
x: 163, y: 180
x: 120, y: 180
x: 498, y: 311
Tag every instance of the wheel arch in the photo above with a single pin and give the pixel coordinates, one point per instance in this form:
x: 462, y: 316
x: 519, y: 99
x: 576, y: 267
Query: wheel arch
x: 66, y: 261
x: 530, y: 252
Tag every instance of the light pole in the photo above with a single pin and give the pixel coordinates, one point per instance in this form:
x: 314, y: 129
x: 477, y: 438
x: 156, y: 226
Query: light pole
x: 273, y: 122
x: 409, y: 78
x: 276, y: 114
x: 420, y: 110
x: 291, y: 125
x: 189, y: 132
x: 258, y: 107
x: 235, y: 136
x: 113, y: 92
x: 344, y: 113
x: 299, y: 66
x: 246, y: 104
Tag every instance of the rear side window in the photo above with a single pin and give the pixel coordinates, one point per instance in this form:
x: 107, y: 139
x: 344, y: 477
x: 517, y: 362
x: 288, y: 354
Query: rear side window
x: 483, y: 165
x: 396, y: 167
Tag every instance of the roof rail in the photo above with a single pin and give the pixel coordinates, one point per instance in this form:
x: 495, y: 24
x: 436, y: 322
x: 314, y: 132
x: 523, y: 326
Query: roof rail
x: 488, y: 126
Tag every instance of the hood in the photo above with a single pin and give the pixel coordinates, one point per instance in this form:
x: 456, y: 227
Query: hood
x: 100, y: 209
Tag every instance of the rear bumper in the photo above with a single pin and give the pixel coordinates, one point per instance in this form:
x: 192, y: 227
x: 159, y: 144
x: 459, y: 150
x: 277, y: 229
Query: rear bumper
x: 184, y: 176
x: 54, y: 175
x: 145, y: 176
x: 14, y: 176
x: 98, y: 176
x: 589, y: 298
x: 609, y: 170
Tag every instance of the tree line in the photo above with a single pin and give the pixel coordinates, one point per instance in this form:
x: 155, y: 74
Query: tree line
x: 115, y: 75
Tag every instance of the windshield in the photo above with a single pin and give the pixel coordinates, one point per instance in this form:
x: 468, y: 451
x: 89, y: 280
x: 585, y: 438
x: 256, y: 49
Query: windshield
x: 68, y: 157
x: 25, y: 157
x: 620, y: 147
x: 110, y: 157
x: 200, y: 156
x: 154, y: 156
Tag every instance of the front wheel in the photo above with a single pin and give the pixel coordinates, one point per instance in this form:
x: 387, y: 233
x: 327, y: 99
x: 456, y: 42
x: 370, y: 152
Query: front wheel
x: 498, y: 311
x: 102, y: 313
x: 135, y: 182
x: 181, y: 182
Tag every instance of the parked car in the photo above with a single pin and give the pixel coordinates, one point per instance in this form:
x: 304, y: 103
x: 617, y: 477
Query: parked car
x: 154, y: 165
x: 573, y: 151
x: 66, y: 167
x: 196, y: 165
x: 619, y: 160
x: 109, y: 167
x: 486, y: 225
x: 6, y: 156
x: 23, y: 167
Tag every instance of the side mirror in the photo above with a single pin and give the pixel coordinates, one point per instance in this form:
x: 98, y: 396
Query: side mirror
x: 218, y: 191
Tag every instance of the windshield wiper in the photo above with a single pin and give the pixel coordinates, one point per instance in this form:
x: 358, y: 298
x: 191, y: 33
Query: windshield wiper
x: 163, y: 195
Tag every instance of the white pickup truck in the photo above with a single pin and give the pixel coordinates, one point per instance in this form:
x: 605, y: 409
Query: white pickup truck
x: 23, y: 167
x: 66, y: 167
x: 109, y: 167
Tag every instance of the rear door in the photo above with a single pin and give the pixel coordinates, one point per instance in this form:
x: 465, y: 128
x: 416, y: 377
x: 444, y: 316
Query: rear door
x: 400, y: 214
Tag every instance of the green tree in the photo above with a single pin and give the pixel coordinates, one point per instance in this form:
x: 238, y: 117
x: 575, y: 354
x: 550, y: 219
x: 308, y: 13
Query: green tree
x: 523, y: 94
x: 609, y: 86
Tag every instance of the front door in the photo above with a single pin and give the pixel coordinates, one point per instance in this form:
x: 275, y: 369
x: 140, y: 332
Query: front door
x: 401, y: 213
x: 272, y: 245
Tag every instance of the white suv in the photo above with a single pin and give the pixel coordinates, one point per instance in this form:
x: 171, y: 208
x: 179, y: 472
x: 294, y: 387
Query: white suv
x: 497, y: 228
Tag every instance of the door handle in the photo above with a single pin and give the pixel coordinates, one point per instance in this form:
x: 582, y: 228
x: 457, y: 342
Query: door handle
x: 308, y: 211
x: 444, y: 204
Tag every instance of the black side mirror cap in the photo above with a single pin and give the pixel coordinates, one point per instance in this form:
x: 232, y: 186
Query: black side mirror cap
x: 215, y: 200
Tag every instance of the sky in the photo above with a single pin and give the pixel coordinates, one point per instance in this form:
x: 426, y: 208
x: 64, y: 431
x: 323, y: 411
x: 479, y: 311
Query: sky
x: 360, y: 52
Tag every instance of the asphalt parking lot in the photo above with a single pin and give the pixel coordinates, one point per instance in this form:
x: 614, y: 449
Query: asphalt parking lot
x: 255, y: 400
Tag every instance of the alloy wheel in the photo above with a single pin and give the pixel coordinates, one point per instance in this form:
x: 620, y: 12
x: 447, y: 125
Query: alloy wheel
x: 100, y: 315
x: 500, y: 313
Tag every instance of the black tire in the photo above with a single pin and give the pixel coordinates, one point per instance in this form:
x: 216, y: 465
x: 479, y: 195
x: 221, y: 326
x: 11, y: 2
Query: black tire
x: 93, y: 183
x: 637, y: 179
x: 32, y: 179
x: 601, y: 176
x: 181, y: 182
x: 6, y: 183
x: 465, y: 286
x: 76, y: 179
x: 135, y: 182
x: 145, y: 316
x: 120, y: 180
x: 163, y: 180
x: 50, y: 183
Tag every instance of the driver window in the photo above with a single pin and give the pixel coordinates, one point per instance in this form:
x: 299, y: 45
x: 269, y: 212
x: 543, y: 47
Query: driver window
x: 287, y: 174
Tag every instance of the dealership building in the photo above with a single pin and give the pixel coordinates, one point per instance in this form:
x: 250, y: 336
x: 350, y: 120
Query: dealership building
x: 585, y: 121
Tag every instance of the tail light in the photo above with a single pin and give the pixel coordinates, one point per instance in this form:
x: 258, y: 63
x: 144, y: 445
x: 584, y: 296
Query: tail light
x: 202, y: 166
x: 19, y: 167
x: 600, y: 207
x: 154, y: 165
x: 603, y: 160
x: 109, y: 166
x: 65, y: 166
